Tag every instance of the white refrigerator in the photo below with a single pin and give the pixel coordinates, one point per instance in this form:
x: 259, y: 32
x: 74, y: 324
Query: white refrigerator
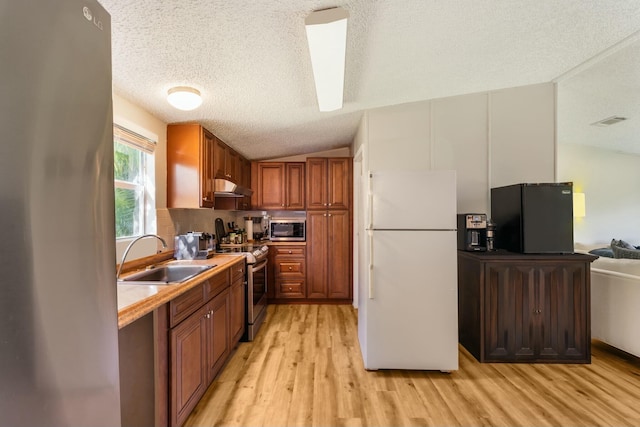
x: 408, y: 313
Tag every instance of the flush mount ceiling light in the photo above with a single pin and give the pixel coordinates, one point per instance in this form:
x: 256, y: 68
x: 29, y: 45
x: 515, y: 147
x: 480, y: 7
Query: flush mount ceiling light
x: 327, y: 38
x: 184, y: 98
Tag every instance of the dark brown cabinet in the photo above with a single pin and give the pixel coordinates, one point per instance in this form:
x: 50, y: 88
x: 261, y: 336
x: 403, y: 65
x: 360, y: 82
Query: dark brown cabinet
x: 190, y: 157
x: 328, y: 183
x: 329, y: 255
x: 525, y: 308
x: 279, y: 186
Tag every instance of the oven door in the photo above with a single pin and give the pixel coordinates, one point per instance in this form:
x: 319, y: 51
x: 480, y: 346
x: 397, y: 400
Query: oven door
x: 257, y: 290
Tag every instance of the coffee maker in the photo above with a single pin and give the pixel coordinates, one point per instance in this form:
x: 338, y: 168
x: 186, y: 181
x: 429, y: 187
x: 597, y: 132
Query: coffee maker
x: 472, y: 232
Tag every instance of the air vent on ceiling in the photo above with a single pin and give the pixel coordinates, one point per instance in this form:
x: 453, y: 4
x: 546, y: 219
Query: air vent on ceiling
x: 609, y: 121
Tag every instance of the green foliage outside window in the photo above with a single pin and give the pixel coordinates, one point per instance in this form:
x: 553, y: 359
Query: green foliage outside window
x: 128, y: 172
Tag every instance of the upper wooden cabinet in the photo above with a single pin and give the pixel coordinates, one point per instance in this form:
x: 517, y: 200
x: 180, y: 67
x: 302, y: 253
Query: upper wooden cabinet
x: 195, y: 157
x: 190, y: 158
x: 226, y: 162
x: 279, y: 186
x: 329, y: 183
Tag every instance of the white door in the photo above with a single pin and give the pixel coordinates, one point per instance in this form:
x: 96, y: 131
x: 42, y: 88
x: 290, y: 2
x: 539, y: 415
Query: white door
x: 412, y: 307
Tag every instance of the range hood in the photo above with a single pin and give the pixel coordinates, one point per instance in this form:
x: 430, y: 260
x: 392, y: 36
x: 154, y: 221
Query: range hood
x: 225, y: 188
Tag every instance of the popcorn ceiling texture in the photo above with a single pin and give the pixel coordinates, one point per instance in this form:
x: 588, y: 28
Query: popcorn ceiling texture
x: 250, y: 59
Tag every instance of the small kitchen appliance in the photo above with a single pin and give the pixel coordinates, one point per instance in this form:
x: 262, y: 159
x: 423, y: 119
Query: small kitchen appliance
x: 472, y: 232
x: 194, y: 245
x: 288, y: 230
x: 534, y: 218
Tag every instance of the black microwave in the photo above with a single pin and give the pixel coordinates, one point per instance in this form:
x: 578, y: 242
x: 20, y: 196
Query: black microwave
x: 287, y: 230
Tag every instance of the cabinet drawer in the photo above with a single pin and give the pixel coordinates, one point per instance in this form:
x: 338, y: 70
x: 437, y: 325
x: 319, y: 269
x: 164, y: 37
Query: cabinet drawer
x: 289, y: 250
x: 216, y: 284
x: 181, y: 307
x: 292, y: 266
x: 238, y: 271
x: 290, y: 289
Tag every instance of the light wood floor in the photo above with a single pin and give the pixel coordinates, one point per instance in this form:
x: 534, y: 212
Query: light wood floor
x: 305, y: 369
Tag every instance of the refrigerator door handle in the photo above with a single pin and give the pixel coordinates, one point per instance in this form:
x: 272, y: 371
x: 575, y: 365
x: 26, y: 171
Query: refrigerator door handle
x: 370, y: 264
x: 370, y: 211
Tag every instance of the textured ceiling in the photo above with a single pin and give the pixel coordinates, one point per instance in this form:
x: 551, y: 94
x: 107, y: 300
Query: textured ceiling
x: 250, y: 60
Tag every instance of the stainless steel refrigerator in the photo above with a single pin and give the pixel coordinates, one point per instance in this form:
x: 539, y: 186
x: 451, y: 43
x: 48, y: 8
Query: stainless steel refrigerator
x: 58, y: 311
x: 408, y: 313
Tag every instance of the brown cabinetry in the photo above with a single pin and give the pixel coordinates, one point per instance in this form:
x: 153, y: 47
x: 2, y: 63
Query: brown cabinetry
x: 289, y: 266
x: 279, y: 186
x: 195, y: 157
x: 205, y: 323
x: 226, y: 162
x: 329, y: 255
x: 525, y: 308
x: 329, y: 183
x: 237, y: 303
x: 190, y: 157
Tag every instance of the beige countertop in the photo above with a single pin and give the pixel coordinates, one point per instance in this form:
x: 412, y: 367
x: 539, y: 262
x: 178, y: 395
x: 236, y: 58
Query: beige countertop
x: 135, y: 301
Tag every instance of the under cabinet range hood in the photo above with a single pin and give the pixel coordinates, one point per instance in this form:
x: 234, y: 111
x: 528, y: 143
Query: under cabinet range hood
x: 225, y: 188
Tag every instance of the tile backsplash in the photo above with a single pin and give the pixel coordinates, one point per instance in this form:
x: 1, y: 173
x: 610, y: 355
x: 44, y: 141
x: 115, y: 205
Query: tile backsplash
x: 172, y: 222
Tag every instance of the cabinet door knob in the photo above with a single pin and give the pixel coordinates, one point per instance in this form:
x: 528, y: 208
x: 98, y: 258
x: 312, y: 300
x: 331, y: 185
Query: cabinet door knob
x: 289, y: 251
x: 324, y: 204
x: 329, y: 204
x: 282, y: 205
x: 290, y: 268
x: 329, y: 214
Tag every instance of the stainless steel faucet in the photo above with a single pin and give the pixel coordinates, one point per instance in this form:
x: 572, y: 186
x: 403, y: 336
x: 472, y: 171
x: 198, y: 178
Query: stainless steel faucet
x: 126, y: 251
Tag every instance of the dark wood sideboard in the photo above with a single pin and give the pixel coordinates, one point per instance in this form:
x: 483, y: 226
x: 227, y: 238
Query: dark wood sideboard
x: 527, y: 308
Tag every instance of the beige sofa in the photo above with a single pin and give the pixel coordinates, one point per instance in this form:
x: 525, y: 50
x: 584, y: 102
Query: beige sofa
x: 615, y: 301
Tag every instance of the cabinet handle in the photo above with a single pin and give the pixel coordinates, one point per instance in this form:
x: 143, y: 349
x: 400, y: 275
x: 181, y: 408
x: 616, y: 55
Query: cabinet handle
x: 324, y: 214
x: 289, y: 251
x: 329, y: 214
x: 282, y: 205
x: 329, y: 204
x: 324, y: 204
x: 290, y: 268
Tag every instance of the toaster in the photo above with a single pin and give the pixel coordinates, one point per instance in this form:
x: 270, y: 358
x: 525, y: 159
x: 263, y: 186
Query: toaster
x: 194, y: 245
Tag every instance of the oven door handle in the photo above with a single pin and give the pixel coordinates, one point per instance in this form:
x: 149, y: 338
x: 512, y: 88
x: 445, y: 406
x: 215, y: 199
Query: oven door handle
x: 259, y: 266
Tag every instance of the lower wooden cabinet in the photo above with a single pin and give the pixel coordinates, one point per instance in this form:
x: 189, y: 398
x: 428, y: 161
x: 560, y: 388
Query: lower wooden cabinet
x: 289, y: 271
x: 204, y: 324
x: 188, y: 380
x: 217, y: 331
x: 237, y: 316
x: 525, y: 308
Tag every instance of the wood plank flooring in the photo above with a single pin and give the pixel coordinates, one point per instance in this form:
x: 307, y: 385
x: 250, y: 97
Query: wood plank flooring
x: 305, y: 369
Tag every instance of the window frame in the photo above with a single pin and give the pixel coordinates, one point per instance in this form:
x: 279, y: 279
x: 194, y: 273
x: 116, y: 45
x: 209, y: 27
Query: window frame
x: 145, y: 148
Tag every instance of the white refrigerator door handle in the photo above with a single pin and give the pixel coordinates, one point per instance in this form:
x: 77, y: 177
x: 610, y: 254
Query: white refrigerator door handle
x: 370, y: 264
x: 370, y: 211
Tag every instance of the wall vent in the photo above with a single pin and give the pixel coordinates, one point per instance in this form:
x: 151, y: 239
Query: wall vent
x: 609, y: 121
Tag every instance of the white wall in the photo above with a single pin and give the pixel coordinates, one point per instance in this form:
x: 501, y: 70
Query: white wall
x: 609, y: 181
x: 491, y: 139
x: 140, y: 121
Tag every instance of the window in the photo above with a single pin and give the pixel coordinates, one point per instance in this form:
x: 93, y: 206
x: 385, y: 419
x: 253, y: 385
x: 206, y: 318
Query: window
x: 134, y: 183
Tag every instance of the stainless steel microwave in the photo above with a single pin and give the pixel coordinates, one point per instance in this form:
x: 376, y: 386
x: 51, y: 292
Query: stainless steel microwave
x: 288, y: 230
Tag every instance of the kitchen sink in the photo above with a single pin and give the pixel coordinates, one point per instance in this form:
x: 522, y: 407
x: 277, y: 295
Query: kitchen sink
x: 165, y: 275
